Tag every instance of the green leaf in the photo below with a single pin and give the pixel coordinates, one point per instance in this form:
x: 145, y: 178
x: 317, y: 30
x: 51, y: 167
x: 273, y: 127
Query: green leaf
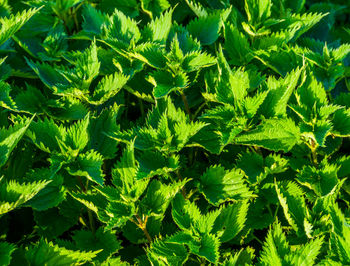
x: 152, y: 54
x: 275, y: 247
x: 237, y: 46
x: 118, y: 214
x: 341, y: 123
x: 77, y: 135
x: 272, y: 134
x: 55, y: 221
x: 230, y: 221
x: 275, y: 103
x: 6, y: 100
x: 184, y: 212
x: 242, y: 257
x: 158, y: 197
x: 10, y: 137
x: 6, y: 250
x: 122, y: 29
x: 154, y: 7
x: 108, y: 87
x: 158, y: 29
x: 88, y: 164
x: 45, y: 134
x: 100, y: 240
x: 154, y: 163
x: 50, y: 76
x: 322, y: 180
x: 31, y: 100
x: 46, y: 253
x: 304, y: 22
x: 14, y: 194
x: 344, y: 166
x: 206, y: 29
x: 165, y: 82
x: 258, y: 11
x: 196, y: 60
x: 124, y: 176
x: 10, y: 25
x: 293, y: 204
x: 219, y: 185
x: 52, y: 194
x: 94, y: 20
x: 98, y: 127
x: 162, y: 252
x: 93, y: 200
x: 197, y: 8
x: 86, y: 65
x: 232, y: 86
x: 308, y: 253
x: 207, y: 247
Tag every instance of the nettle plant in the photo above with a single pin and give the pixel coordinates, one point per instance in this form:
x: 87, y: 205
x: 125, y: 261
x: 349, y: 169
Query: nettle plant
x: 174, y: 132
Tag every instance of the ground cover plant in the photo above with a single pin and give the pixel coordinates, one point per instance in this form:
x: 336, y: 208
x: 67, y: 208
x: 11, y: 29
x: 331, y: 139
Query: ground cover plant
x: 163, y: 132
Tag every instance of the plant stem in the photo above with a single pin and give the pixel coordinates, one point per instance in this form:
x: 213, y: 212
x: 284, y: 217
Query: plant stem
x: 142, y: 225
x: 82, y: 187
x: 91, y: 218
x: 91, y: 221
x: 144, y: 230
x: 187, y: 107
x: 199, y: 109
x: 313, y: 148
x: 183, y: 189
x: 142, y: 108
x: 257, y: 239
x: 314, y: 157
x: 269, y: 209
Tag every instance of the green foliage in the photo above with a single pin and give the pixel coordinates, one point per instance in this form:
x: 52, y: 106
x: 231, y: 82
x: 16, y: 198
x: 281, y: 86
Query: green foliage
x: 162, y: 132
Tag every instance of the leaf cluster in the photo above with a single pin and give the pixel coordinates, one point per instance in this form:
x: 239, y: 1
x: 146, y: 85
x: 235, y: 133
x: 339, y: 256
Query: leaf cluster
x: 163, y: 132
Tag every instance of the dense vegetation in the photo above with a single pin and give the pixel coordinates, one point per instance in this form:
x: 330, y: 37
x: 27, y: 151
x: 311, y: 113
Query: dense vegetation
x: 163, y: 132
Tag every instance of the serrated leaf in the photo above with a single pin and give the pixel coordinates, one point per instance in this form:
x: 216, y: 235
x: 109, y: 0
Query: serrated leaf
x: 293, y: 204
x: 196, y: 60
x: 77, y: 135
x: 219, y: 185
x: 98, y: 127
x: 230, y: 221
x: 275, y: 247
x: 122, y: 29
x: 257, y: 11
x: 6, y: 252
x: 45, y: 134
x: 341, y: 123
x: 206, y: 29
x: 100, y: 240
x: 272, y: 134
x: 108, y: 87
x: 52, y: 194
x: 48, y: 253
x: 89, y: 165
x: 162, y: 252
x: 237, y: 46
x: 165, y: 82
x: 158, y: 197
x: 10, y: 137
x: 158, y: 29
x: 10, y: 25
x: 14, y: 194
x: 276, y: 101
x: 232, y: 86
x: 154, y: 7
